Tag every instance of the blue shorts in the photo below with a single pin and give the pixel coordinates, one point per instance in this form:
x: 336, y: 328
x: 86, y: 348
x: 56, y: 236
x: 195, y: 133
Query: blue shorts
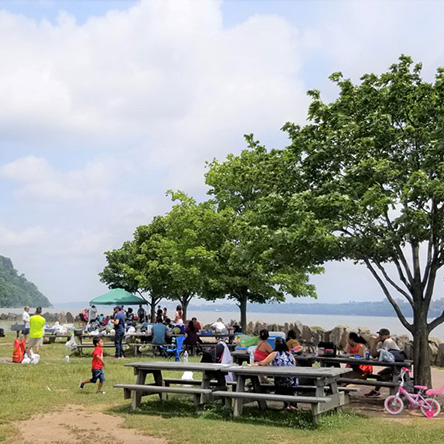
x: 97, y: 374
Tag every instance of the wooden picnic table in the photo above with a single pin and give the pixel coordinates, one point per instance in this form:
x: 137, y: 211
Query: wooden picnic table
x: 328, y: 361
x: 326, y: 395
x: 161, y: 385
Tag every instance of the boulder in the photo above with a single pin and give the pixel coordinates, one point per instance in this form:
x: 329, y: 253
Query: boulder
x: 339, y: 337
x: 433, y: 350
x: 440, y: 357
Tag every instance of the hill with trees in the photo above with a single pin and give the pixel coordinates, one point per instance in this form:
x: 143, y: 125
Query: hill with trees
x: 16, y: 290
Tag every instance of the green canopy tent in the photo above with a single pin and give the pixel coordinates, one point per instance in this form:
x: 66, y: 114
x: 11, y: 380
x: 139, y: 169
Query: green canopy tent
x: 118, y: 296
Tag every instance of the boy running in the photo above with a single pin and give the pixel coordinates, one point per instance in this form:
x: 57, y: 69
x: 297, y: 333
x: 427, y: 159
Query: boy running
x: 97, y: 366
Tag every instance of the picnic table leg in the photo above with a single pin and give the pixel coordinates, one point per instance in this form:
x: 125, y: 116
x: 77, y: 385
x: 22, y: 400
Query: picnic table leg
x: 238, y: 402
x: 258, y: 389
x: 205, y: 384
x: 159, y: 381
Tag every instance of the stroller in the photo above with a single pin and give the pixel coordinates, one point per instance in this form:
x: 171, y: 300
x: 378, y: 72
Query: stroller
x: 93, y: 326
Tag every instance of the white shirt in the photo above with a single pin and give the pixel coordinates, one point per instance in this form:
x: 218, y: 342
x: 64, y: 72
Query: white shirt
x: 25, y: 318
x: 220, y: 327
x: 388, y: 344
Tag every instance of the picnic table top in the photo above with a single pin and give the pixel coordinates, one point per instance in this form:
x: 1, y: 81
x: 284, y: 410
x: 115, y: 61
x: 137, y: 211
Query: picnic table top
x: 269, y: 370
x: 173, y: 366
x: 351, y: 360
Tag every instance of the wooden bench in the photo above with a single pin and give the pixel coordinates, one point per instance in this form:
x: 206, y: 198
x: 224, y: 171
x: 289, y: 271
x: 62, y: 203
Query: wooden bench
x: 136, y: 391
x: 17, y: 328
x: 251, y: 396
x: 268, y: 387
x: 393, y: 386
x: 82, y: 346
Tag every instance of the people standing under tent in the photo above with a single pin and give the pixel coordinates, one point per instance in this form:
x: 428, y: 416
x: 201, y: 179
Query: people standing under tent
x: 92, y: 315
x: 141, y: 314
x: 165, y: 313
x: 119, y: 328
x: 25, y: 319
x: 129, y: 315
x: 178, y: 319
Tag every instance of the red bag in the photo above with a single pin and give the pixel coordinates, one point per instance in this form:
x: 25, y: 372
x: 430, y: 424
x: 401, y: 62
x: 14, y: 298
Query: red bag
x: 19, y: 350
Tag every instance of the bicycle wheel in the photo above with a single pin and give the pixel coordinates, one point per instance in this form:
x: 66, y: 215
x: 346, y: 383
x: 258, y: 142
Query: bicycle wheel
x: 430, y: 408
x: 393, y: 405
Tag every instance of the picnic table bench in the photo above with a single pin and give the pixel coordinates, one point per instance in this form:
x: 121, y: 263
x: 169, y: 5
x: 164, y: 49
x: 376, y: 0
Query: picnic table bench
x: 17, y: 328
x: 201, y: 392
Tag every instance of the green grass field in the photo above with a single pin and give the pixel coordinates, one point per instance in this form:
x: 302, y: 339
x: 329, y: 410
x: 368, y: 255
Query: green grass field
x: 53, y: 384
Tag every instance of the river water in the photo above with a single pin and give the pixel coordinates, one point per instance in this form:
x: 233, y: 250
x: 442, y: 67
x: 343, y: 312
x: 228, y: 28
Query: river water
x: 327, y: 322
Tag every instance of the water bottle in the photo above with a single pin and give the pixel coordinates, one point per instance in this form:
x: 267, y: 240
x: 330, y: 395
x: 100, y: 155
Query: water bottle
x: 367, y: 355
x: 185, y: 356
x: 66, y: 358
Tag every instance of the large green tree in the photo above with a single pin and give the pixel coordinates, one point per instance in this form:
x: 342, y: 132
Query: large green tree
x: 180, y: 257
x: 252, y: 264
x: 367, y: 171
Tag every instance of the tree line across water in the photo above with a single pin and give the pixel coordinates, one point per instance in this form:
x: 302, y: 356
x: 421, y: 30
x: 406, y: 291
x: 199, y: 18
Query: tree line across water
x: 363, y: 180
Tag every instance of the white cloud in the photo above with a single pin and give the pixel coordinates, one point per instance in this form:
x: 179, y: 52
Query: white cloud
x: 98, y: 119
x: 22, y: 238
x: 39, y: 179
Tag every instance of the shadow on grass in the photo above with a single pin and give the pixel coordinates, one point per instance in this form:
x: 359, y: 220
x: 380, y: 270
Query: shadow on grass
x: 179, y: 408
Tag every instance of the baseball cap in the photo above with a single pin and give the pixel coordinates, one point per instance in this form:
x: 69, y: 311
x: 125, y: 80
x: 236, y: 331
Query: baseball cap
x: 118, y: 307
x: 383, y: 331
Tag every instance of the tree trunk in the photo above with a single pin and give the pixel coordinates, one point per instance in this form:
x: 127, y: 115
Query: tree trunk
x: 184, y: 301
x: 243, y: 299
x: 154, y: 301
x: 421, y: 357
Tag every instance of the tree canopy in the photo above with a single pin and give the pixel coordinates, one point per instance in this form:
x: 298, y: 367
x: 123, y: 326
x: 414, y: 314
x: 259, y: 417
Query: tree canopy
x: 365, y: 182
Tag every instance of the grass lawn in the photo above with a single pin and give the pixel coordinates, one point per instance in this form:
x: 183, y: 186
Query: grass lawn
x: 53, y: 384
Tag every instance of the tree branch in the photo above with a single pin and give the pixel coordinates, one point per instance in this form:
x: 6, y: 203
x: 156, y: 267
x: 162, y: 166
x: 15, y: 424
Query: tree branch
x: 401, y: 256
x: 439, y: 320
x: 393, y: 283
x: 398, y: 311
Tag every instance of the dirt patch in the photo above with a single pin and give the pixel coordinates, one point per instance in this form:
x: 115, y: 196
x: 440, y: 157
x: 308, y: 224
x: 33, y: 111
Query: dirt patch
x: 75, y: 425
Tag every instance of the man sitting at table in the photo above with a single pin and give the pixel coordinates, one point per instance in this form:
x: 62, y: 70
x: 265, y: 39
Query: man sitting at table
x: 385, y: 342
x: 160, y: 333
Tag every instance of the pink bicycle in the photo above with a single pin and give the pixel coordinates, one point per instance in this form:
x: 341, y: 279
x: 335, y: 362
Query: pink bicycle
x: 429, y: 407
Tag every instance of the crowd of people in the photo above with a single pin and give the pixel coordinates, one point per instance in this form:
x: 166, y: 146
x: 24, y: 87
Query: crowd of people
x: 281, y: 353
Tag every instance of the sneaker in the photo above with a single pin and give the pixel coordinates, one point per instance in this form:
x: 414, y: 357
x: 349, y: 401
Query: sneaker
x: 101, y: 392
x: 81, y: 385
x: 291, y: 407
x: 372, y: 394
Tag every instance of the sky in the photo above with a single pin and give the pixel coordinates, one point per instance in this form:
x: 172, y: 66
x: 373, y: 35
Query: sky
x: 105, y: 105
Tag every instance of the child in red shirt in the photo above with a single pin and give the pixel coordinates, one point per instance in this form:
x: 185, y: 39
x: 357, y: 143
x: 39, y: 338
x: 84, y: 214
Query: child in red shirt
x: 97, y: 366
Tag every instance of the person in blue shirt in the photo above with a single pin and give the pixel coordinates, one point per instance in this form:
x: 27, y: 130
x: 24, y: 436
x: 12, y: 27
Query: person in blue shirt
x: 160, y: 332
x: 119, y: 328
